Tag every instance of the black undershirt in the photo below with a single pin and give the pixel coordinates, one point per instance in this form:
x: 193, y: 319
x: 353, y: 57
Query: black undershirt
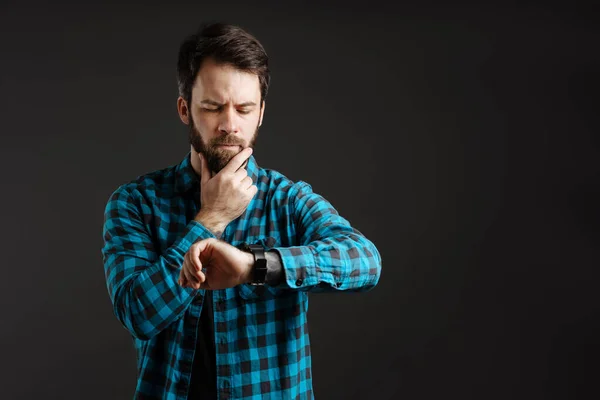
x: 203, y: 384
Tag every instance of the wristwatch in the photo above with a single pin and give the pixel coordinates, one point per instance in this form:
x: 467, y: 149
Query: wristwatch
x: 259, y: 269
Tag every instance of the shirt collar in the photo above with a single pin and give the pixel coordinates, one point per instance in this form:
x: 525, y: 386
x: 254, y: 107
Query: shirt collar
x: 187, y: 179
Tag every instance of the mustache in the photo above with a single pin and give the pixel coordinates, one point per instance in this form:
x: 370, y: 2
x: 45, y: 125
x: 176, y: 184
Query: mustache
x: 227, y: 141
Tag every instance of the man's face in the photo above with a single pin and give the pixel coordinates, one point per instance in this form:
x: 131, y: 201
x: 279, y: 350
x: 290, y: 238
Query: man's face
x: 225, y: 113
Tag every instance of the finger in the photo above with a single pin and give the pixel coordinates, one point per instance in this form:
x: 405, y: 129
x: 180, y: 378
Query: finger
x: 244, y: 165
x: 252, y: 190
x: 199, y: 279
x: 240, y: 174
x: 194, y: 259
x: 182, y: 279
x: 236, y: 162
x: 201, y: 276
x: 195, y: 265
x: 198, y: 248
x: 188, y: 270
x: 190, y: 278
x: 247, y: 182
x: 194, y: 253
x: 204, y: 171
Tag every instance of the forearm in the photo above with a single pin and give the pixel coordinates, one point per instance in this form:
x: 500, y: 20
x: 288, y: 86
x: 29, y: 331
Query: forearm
x: 330, y: 254
x: 144, y: 310
x: 345, y: 261
x: 147, y: 298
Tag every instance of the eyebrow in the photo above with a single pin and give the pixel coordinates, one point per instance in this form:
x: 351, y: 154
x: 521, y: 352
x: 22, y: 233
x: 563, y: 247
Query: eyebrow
x: 217, y: 104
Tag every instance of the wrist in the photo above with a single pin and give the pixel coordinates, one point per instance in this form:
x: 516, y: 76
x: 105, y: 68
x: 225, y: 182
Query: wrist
x: 249, y: 266
x: 211, y: 222
x: 258, y: 268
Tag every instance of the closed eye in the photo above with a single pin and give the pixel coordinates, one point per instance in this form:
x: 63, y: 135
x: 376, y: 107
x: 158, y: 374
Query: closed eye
x: 219, y: 109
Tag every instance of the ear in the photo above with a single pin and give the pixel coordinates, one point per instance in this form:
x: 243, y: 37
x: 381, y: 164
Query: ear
x: 262, y: 113
x: 183, y: 110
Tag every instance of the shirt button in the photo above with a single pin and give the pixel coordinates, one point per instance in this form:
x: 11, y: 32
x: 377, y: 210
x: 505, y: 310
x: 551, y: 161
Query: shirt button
x: 299, y: 282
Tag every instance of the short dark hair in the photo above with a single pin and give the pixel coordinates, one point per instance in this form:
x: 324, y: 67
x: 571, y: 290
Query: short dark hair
x: 225, y: 44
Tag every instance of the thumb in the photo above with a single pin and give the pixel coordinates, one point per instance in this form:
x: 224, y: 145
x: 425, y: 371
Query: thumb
x: 204, y: 172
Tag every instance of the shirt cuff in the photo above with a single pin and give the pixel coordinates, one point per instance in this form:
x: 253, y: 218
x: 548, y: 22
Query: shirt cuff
x: 193, y: 232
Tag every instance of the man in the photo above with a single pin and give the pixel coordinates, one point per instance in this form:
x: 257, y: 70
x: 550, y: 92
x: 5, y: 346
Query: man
x: 209, y: 262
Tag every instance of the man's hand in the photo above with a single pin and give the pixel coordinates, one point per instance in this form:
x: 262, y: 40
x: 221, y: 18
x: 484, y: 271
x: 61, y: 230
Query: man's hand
x: 226, y: 195
x: 225, y: 266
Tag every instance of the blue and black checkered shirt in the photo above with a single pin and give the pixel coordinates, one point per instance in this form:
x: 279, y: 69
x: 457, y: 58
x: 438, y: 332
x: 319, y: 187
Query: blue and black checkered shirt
x: 260, y: 332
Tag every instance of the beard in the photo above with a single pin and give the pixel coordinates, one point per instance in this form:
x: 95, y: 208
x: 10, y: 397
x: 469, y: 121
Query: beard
x: 216, y: 157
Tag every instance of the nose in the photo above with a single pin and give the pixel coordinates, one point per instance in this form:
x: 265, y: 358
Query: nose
x: 228, y: 123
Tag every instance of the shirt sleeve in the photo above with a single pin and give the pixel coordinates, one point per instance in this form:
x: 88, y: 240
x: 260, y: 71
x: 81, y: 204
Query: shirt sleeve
x: 331, y: 255
x: 142, y: 284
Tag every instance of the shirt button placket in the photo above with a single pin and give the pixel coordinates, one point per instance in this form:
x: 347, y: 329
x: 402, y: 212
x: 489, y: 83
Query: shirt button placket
x: 225, y: 389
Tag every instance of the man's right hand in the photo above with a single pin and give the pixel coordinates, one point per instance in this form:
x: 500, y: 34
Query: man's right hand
x: 226, y: 195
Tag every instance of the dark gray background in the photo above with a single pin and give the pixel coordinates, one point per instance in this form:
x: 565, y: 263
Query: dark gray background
x: 462, y: 139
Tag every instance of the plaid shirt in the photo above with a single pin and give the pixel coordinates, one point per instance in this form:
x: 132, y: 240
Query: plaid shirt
x: 261, y: 332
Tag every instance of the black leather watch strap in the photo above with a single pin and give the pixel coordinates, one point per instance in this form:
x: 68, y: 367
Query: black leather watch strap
x: 259, y: 270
